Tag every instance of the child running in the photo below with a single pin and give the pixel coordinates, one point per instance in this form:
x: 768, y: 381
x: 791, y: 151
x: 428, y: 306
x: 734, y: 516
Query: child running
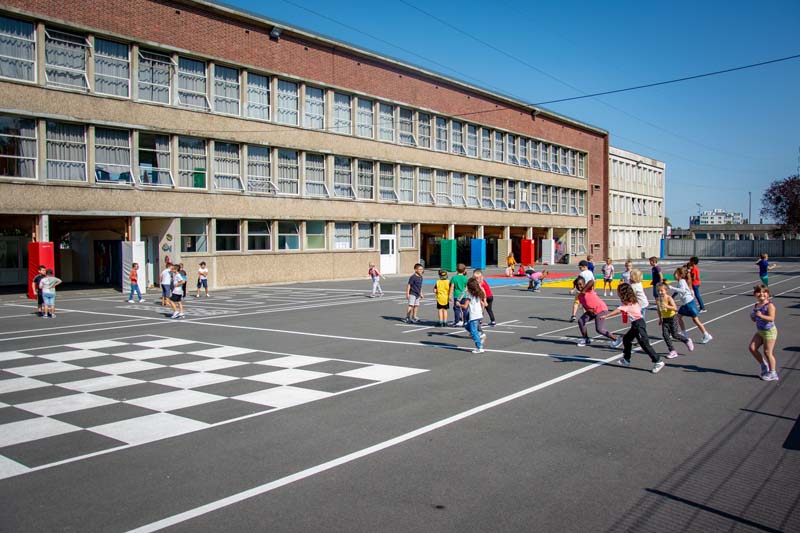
x: 134, y: 279
x: 694, y: 271
x: 763, y: 315
x: 594, y: 309
x: 487, y: 290
x: 638, y: 288
x: 176, y: 297
x: 588, y: 278
x: 414, y: 294
x: 376, y: 276
x: 684, y: 296
x: 202, y: 279
x: 458, y: 289
x: 475, y: 302
x: 655, y: 272
x: 763, y: 268
x: 608, y: 277
x: 667, y: 309
x: 625, y: 277
x: 442, y: 292
x: 47, y: 286
x: 638, y: 329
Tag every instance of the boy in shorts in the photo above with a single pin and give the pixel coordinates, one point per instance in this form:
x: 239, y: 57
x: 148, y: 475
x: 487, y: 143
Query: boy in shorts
x: 202, y: 279
x: 175, y: 300
x: 442, y: 292
x: 166, y: 284
x: 414, y: 294
x: 458, y: 289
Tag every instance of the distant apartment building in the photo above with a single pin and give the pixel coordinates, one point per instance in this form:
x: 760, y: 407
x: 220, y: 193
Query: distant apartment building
x: 636, y: 205
x: 716, y: 217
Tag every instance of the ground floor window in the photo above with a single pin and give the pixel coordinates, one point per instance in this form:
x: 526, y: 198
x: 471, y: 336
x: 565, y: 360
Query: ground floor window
x: 194, y: 235
x: 227, y: 235
x: 406, y: 235
x: 288, y: 236
x: 343, y: 236
x: 259, y: 235
x: 366, y: 236
x: 315, y: 235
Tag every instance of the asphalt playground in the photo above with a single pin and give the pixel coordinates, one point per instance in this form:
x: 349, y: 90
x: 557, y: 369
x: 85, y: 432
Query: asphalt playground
x: 311, y: 407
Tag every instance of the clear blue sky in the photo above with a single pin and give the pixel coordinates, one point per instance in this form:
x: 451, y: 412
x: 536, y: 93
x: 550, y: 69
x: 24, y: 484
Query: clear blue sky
x: 720, y: 137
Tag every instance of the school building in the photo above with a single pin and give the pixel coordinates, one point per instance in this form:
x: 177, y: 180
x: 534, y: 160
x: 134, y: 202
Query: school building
x: 212, y: 134
x: 636, y: 205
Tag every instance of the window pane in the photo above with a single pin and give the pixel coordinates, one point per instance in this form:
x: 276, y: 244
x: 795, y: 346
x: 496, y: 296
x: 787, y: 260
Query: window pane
x: 259, y: 169
x: 226, y: 90
x: 366, y: 239
x: 192, y: 83
x: 315, y: 175
x: 425, y: 186
x: 486, y: 144
x: 343, y: 236
x: 194, y: 236
x: 424, y: 129
x: 473, y: 184
x: 441, y: 134
x: 406, y: 235
x: 407, y: 127
x: 458, y: 191
x: 227, y: 167
x: 315, y: 235
x: 342, y: 113
x: 227, y: 233
x: 288, y: 102
x: 343, y: 178
x: 111, y: 68
x: 17, y: 49
x: 458, y: 138
x: 154, y: 159
x: 112, y: 156
x: 258, y: 88
x: 366, y: 180
x: 65, y: 59
x: 192, y: 162
x: 288, y: 172
x: 443, y: 188
x: 259, y: 235
x: 386, y: 184
x: 154, y: 76
x: 315, y: 108
x: 288, y: 236
x: 365, y: 118
x: 66, y: 152
x: 486, y: 192
x: 18, y: 148
x: 386, y: 122
x: 472, y: 140
x: 499, y: 147
x: 406, y: 183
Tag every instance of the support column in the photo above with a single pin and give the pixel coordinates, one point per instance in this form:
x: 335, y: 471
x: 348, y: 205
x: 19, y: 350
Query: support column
x: 529, y: 233
x: 479, y: 233
x: 136, y: 228
x: 451, y: 231
x: 507, y: 232
x: 550, y: 233
x: 43, y: 235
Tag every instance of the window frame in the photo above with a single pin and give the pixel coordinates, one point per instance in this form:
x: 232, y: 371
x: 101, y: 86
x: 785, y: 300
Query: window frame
x: 316, y: 166
x: 405, y: 127
x: 223, y: 163
x: 487, y: 200
x: 183, y: 156
x: 227, y: 84
x: 339, y: 233
x: 365, y: 179
x: 288, y: 175
x: 365, y: 118
x: 340, y: 124
x: 22, y: 139
x: 236, y: 237
x: 338, y: 173
x: 285, y: 99
x: 203, y: 237
x: 406, y: 236
x: 263, y: 91
x: 458, y: 189
x: 442, y: 142
x: 424, y: 131
x: 284, y: 224
x: 387, y: 129
x: 314, y: 108
x: 443, y: 185
x: 128, y: 167
x: 473, y: 185
x: 127, y: 61
x: 307, y: 234
x: 360, y: 237
x: 156, y: 151
x: 156, y: 58
x: 33, y: 50
x: 184, y: 92
x: 49, y: 38
x: 260, y: 183
x: 425, y: 186
x: 457, y: 138
x: 406, y: 177
x: 48, y: 159
x: 251, y: 236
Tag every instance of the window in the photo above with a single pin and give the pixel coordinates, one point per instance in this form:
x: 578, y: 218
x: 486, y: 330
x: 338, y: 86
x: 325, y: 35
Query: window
x: 66, y: 152
x: 554, y: 158
x: 441, y: 134
x: 443, y: 188
x: 288, y: 172
x: 500, y: 193
x: 386, y: 182
x: 17, y: 49
x: 315, y: 235
x: 578, y: 241
x: 194, y: 235
x: 343, y: 236
x: 386, y: 122
x: 499, y: 152
x: 563, y: 161
x: 406, y: 183
x: 458, y: 138
x: 486, y: 144
x: 512, y: 194
x: 154, y: 159
x: 315, y: 176
x: 524, y: 203
x: 523, y: 152
x: 342, y: 113
x: 407, y: 127
x: 473, y: 184
x: 258, y: 105
x: 112, y: 155
x: 192, y: 162
x: 343, y: 178
x: 424, y: 129
x: 573, y: 202
x: 425, y: 186
x: 259, y: 233
x: 65, y: 59
x: 486, y: 192
x: 155, y: 72
x: 544, y: 157
x: 192, y: 83
x: 288, y: 103
x: 259, y: 169
x: 227, y: 167
x: 581, y: 164
x: 226, y: 90
x: 227, y: 235
x: 315, y: 108
x: 564, y: 201
x: 512, y: 149
x: 535, y: 155
x: 572, y: 165
x: 458, y: 195
x: 112, y: 68
x: 366, y: 236
x: 546, y: 199
x: 406, y: 235
x: 365, y: 118
x: 288, y: 236
x: 472, y: 140
x: 535, y: 205
x: 554, y: 199
x: 366, y: 180
x: 17, y: 146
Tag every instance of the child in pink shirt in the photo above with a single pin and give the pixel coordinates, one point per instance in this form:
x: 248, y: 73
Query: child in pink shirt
x: 594, y: 309
x: 638, y: 330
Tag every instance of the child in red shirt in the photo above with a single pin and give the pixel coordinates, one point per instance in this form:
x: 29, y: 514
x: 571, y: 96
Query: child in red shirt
x: 594, y: 309
x: 134, y: 278
x: 695, y: 273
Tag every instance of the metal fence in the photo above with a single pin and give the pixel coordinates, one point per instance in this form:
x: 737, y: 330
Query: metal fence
x: 723, y: 248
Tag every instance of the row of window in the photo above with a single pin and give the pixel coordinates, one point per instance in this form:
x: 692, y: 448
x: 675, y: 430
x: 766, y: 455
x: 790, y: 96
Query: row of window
x: 186, y: 82
x: 628, y: 172
x: 621, y: 204
x: 126, y: 158
x: 634, y: 239
x: 266, y: 235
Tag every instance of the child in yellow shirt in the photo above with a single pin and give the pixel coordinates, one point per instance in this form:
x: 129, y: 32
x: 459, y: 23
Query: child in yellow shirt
x: 442, y: 291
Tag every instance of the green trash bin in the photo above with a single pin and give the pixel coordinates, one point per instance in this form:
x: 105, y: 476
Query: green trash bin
x: 448, y: 250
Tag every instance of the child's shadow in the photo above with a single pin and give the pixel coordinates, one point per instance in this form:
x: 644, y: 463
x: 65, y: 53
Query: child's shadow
x: 701, y: 369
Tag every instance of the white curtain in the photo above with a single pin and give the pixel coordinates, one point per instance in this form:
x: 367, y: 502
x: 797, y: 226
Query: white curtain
x: 258, y: 169
x: 288, y: 172
x: 226, y: 167
x: 192, y: 83
x: 65, y: 56
x: 226, y: 90
x: 112, y: 155
x: 111, y: 68
x: 17, y: 49
x: 257, y: 96
x: 18, y: 139
x: 192, y: 162
x: 154, y: 77
x: 66, y: 152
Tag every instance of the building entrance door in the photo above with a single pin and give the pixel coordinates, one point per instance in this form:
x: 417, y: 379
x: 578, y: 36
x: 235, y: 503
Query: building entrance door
x: 388, y: 254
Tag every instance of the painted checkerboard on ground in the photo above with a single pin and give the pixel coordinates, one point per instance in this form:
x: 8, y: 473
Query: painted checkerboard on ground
x: 64, y: 402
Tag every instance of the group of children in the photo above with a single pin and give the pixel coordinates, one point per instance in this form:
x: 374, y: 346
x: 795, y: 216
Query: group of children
x: 44, y: 287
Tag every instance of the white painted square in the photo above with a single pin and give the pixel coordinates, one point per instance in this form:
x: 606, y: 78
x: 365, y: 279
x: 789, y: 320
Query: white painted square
x: 289, y: 376
x: 72, y: 355
x: 222, y: 351
x: 16, y: 384
x: 100, y: 383
x: 168, y: 342
x: 382, y: 372
x: 209, y: 365
x: 44, y: 368
x: 293, y: 361
x: 194, y: 380
x: 65, y: 404
x: 10, y: 468
x: 32, y: 429
x: 169, y: 401
x: 94, y: 345
x: 8, y: 356
x: 149, y: 353
x: 149, y: 428
x: 127, y: 367
x: 283, y: 396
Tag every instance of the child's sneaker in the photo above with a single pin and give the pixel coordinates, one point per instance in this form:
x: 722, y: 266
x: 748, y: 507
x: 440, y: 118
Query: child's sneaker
x: 672, y: 354
x: 458, y: 324
x: 683, y: 333
x: 690, y: 345
x: 174, y: 315
x: 408, y: 320
x: 130, y: 301
x: 706, y: 338
x: 478, y: 350
x: 492, y: 324
x: 44, y: 316
x: 773, y: 376
x: 584, y: 342
x: 658, y: 366
x: 572, y: 318
x: 180, y: 315
x: 624, y: 362
x: 616, y: 343
x: 764, y: 370
x: 141, y: 301
x: 197, y: 296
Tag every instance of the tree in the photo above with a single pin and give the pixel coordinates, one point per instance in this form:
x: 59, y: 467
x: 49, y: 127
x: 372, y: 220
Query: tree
x: 781, y: 202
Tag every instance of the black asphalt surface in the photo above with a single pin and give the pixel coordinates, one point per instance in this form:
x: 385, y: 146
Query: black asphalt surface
x: 586, y: 445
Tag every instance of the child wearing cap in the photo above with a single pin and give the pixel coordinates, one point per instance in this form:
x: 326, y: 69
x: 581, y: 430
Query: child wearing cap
x: 441, y: 290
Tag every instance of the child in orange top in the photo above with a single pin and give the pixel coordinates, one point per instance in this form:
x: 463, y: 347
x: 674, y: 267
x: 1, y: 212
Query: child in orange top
x: 134, y: 278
